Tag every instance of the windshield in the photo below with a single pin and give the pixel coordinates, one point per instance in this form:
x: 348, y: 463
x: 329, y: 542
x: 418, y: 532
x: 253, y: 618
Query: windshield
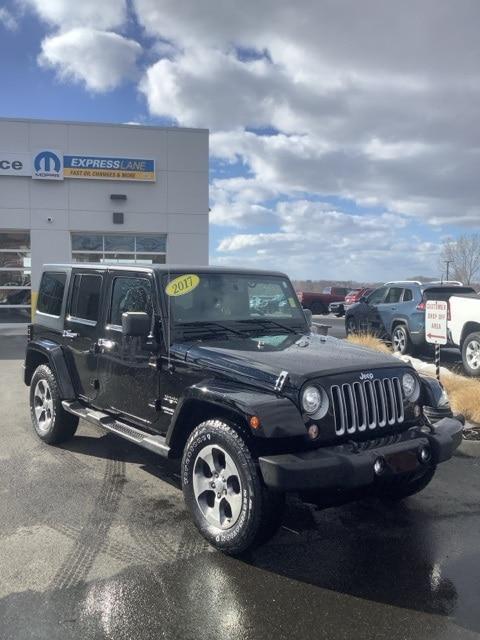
x: 224, y: 301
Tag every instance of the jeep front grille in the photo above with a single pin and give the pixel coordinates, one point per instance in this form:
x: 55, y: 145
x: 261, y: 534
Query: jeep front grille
x: 359, y: 406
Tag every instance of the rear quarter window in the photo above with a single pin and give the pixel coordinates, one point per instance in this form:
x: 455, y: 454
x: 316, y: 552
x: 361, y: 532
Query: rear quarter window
x: 50, y: 295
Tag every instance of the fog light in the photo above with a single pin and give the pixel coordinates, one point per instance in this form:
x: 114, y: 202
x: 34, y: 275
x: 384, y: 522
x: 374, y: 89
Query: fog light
x: 312, y: 431
x: 424, y: 454
x: 417, y: 411
x: 379, y: 466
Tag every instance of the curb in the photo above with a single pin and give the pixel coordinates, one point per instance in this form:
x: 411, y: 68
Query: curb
x: 469, y: 449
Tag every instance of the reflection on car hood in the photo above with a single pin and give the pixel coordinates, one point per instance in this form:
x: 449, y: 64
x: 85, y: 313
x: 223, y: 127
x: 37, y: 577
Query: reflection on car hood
x: 302, y: 356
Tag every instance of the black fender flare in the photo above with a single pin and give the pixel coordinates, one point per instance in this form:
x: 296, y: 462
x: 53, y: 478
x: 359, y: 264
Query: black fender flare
x: 431, y: 391
x: 55, y: 357
x: 278, y: 415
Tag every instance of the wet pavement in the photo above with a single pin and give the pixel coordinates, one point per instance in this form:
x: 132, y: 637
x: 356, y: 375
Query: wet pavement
x: 95, y: 542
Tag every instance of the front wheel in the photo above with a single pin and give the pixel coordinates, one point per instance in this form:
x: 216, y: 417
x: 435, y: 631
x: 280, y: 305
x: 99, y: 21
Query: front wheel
x: 223, y: 491
x: 50, y: 420
x: 471, y: 354
x: 350, y: 325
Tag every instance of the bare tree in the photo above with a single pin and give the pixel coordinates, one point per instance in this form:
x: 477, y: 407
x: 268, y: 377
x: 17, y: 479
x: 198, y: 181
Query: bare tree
x: 463, y: 254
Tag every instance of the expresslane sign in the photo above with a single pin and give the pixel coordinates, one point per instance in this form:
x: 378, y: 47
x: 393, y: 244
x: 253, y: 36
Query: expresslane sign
x: 109, y: 168
x: 50, y: 164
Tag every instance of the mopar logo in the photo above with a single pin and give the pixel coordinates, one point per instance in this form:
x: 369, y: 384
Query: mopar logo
x: 48, y: 165
x: 366, y: 375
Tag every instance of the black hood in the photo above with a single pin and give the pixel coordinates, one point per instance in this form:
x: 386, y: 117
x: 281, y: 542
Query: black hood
x: 303, y: 357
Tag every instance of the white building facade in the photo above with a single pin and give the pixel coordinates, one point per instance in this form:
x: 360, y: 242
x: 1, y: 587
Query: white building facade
x: 83, y: 192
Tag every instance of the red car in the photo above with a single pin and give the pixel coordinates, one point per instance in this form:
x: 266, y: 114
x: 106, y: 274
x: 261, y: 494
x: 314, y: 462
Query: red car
x: 318, y: 303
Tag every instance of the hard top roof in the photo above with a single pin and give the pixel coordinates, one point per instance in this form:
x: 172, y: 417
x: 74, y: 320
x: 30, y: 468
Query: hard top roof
x: 161, y: 268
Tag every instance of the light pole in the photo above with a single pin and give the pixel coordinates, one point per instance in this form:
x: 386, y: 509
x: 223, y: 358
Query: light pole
x: 448, y: 262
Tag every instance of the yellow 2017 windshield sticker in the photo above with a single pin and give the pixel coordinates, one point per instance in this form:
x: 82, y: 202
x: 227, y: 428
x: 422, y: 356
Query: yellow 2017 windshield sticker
x: 182, y: 285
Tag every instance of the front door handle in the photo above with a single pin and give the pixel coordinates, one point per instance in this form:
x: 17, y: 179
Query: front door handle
x: 69, y: 334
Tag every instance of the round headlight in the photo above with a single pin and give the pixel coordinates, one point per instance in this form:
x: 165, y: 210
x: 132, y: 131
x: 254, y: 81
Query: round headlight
x: 315, y: 402
x: 311, y: 400
x: 410, y: 386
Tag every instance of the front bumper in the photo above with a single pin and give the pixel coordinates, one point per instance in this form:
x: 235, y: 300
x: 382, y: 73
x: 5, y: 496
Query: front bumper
x: 350, y: 466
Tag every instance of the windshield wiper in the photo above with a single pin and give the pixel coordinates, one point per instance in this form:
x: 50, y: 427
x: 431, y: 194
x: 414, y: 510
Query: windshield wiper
x: 268, y: 321
x: 201, y: 325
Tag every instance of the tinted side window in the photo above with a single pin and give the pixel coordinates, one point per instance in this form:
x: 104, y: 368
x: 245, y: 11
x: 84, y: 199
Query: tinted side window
x: 394, y: 294
x: 130, y: 294
x: 85, y: 301
x: 377, y: 296
x: 51, y: 292
x: 407, y: 295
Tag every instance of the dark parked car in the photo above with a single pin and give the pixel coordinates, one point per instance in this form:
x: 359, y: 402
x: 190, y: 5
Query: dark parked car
x: 353, y: 296
x: 396, y: 311
x: 249, y: 401
x: 318, y: 303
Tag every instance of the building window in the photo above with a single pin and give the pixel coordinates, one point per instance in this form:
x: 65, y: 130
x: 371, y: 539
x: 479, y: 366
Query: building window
x: 15, y: 277
x: 115, y: 248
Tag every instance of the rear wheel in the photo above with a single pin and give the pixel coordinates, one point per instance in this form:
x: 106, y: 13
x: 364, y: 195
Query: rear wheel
x: 50, y: 420
x: 223, y: 491
x: 471, y: 354
x: 401, y: 340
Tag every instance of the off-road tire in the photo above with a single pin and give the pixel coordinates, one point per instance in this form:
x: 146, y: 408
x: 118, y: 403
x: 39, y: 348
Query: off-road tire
x: 63, y: 424
x: 407, y: 347
x: 469, y: 370
x: 401, y: 488
x: 261, y: 511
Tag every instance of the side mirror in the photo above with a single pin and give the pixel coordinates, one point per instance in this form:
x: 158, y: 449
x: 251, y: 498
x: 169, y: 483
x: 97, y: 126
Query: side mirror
x: 308, y: 316
x: 136, y: 323
x: 363, y: 299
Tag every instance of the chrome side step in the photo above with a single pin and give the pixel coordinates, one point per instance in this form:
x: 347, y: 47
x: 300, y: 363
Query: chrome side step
x: 137, y: 436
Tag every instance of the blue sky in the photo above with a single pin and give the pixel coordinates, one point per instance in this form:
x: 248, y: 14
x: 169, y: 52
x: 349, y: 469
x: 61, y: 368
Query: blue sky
x: 335, y: 155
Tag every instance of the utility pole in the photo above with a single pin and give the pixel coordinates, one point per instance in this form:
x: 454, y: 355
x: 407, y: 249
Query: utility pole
x: 448, y: 263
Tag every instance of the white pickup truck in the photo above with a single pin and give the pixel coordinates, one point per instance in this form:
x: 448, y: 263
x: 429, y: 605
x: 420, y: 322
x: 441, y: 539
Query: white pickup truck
x: 464, y: 330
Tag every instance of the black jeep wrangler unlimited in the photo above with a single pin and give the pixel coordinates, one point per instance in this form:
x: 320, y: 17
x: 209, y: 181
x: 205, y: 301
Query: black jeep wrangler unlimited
x: 222, y: 369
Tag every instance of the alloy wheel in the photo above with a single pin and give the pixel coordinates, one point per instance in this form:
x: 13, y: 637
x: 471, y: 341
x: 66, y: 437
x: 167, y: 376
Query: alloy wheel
x: 399, y: 340
x: 217, y: 487
x: 472, y: 354
x: 43, y: 405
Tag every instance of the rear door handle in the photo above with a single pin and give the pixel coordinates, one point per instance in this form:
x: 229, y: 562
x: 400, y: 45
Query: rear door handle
x: 69, y: 334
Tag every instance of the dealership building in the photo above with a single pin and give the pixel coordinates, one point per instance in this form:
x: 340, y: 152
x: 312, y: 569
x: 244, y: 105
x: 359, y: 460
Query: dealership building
x: 83, y: 192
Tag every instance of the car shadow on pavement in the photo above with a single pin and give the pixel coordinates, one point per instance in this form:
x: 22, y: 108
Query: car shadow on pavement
x: 367, y: 549
x: 110, y: 447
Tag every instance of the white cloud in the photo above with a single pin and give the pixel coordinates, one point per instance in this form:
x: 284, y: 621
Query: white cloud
x: 66, y: 14
x: 317, y: 242
x: 102, y: 60
x: 8, y: 20
x: 390, y: 118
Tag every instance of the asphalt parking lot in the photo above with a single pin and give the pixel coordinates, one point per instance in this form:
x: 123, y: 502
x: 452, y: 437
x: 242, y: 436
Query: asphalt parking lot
x: 95, y: 543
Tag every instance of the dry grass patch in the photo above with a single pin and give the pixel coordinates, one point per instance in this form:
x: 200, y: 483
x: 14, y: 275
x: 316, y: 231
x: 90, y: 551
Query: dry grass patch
x: 369, y: 341
x: 464, y: 394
